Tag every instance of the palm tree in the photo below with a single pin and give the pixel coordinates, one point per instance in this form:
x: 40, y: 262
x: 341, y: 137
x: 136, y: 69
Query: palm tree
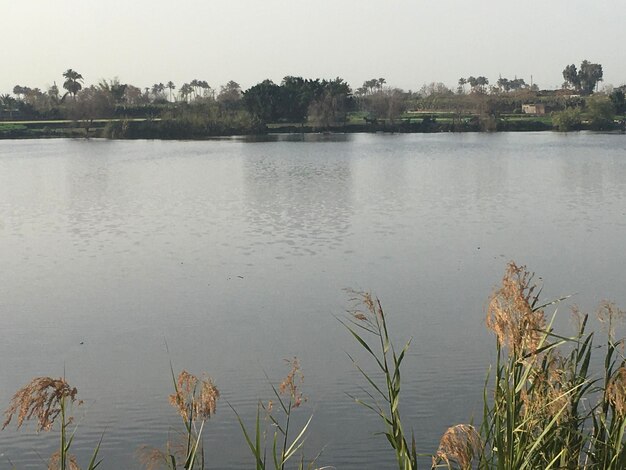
x: 170, y: 85
x: 185, y: 91
x: 53, y: 93
x: 18, y: 91
x: 462, y: 83
x: 194, y: 84
x: 157, y: 90
x: 72, y: 82
x: 8, y: 102
x: 206, y: 87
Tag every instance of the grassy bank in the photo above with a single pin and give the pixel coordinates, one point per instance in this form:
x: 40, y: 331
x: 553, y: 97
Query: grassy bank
x: 544, y: 407
x: 201, y: 126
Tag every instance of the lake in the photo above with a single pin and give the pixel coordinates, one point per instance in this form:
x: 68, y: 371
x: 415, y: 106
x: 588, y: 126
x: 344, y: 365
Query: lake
x: 229, y: 256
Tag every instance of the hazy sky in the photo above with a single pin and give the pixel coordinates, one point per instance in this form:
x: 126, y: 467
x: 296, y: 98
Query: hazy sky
x: 409, y: 42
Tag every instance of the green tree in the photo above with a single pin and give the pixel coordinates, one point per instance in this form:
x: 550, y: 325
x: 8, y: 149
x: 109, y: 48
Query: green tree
x: 619, y: 100
x: 570, y: 75
x: 590, y: 74
x: 116, y: 89
x: 504, y: 84
x: 73, y: 82
x: 194, y: 87
x: 207, y: 91
x: 600, y: 112
x: 230, y: 95
x: 262, y: 100
x: 330, y: 108
x: 20, y: 91
x: 170, y: 86
x: 585, y: 79
x: 8, y: 104
x: 38, y: 103
x: 478, y: 84
x: 371, y: 86
x: 461, y: 88
x: 91, y: 103
x: 567, y: 120
x: 511, y: 85
x: 157, y: 91
x: 185, y: 91
x: 296, y: 95
x: 53, y: 93
x: 388, y: 104
x: 134, y: 96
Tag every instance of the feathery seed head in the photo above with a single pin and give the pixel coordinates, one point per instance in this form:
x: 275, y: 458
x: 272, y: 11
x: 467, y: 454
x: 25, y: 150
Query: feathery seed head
x: 55, y: 462
x: 547, y: 397
x: 616, y: 391
x: 194, y: 398
x: 367, y: 310
x: 42, y: 398
x: 290, y: 384
x: 608, y: 313
x: 460, y: 444
x: 511, y: 314
x: 152, y: 458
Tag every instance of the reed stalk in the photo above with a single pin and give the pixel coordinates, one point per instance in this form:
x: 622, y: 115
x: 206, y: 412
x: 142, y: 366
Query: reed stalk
x: 195, y: 400
x: 368, y: 325
x: 544, y: 404
x: 47, y: 400
x: 284, y: 447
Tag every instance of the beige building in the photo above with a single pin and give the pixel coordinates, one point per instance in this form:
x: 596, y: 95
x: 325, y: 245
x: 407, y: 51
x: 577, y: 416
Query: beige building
x: 537, y: 109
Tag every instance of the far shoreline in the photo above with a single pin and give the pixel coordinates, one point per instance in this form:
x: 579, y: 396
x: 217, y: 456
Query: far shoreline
x: 138, y: 129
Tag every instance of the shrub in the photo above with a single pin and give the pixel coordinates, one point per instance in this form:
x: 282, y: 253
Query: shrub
x: 568, y: 120
x: 601, y: 112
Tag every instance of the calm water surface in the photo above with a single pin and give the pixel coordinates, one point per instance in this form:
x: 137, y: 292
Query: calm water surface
x: 235, y: 254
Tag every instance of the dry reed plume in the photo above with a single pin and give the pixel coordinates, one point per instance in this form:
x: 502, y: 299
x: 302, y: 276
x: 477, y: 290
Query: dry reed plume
x: 55, y: 462
x: 511, y: 314
x: 290, y: 384
x: 191, y: 404
x: 41, y: 398
x: 370, y: 317
x: 547, y: 395
x: 152, y: 458
x: 371, y: 320
x: 608, y: 313
x: 616, y: 391
x: 460, y: 444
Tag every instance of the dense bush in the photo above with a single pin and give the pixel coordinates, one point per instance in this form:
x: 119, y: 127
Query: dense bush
x: 567, y: 120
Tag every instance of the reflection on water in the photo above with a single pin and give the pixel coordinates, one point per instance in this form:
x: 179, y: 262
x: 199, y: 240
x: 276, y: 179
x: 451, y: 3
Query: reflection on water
x: 235, y: 253
x: 303, y: 204
x: 87, y: 181
x: 297, y: 137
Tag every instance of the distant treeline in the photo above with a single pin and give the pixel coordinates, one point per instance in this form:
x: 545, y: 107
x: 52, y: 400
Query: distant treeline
x: 196, y: 110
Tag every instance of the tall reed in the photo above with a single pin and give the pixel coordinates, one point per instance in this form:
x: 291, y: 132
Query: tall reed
x: 533, y: 417
x: 544, y: 407
x: 368, y: 326
x: 546, y: 404
x: 195, y: 400
x: 48, y: 400
x: 284, y: 447
x: 607, y: 449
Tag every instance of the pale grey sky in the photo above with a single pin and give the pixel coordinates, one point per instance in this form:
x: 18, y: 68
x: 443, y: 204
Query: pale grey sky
x: 409, y: 42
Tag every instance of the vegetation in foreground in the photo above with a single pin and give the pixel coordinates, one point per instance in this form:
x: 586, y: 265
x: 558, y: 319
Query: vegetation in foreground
x: 117, y: 110
x: 544, y: 404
